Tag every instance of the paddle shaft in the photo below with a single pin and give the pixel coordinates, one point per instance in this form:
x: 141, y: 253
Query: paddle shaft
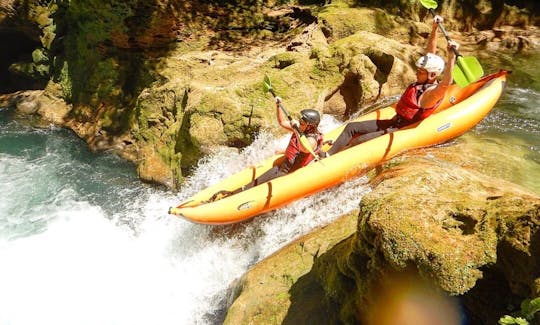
x: 284, y: 110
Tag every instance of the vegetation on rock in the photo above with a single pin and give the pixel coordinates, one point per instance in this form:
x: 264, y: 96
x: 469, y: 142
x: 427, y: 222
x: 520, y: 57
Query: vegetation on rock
x: 204, y: 60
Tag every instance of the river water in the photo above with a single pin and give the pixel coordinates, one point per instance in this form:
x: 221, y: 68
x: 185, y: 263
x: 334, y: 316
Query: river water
x: 83, y: 241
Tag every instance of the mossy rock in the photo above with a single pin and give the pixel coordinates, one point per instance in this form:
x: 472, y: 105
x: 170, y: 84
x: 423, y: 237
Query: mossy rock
x: 340, y: 22
x: 447, y: 226
x: 271, y: 289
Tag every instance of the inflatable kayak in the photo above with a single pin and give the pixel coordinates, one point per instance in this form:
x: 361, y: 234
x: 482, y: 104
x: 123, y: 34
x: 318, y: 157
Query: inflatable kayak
x: 462, y: 109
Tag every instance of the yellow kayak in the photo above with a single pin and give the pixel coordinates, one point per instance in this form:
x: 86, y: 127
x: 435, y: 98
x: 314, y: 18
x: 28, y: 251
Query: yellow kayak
x: 461, y: 110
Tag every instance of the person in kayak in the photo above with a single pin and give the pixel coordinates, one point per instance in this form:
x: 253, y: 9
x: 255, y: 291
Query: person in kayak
x: 418, y: 101
x: 296, y: 155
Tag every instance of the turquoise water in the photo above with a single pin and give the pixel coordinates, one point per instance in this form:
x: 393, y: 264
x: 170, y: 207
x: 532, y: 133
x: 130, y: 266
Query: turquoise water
x: 515, y: 123
x: 41, y: 168
x: 83, y: 241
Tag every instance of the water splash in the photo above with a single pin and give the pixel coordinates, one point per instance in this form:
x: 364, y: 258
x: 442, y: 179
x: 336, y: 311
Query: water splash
x: 75, y: 253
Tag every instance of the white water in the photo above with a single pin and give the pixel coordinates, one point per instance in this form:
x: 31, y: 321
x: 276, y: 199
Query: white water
x: 72, y: 254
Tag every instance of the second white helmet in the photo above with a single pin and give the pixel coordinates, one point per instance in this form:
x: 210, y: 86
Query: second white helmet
x: 431, y: 62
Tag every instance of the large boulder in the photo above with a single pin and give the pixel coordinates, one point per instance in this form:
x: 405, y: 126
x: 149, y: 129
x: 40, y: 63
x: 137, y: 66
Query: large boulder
x: 452, y: 230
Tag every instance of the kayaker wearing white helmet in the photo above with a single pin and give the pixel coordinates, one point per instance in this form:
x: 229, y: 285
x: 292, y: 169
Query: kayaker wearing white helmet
x: 418, y: 101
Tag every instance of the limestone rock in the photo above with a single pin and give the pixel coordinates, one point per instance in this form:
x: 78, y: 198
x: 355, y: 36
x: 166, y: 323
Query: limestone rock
x: 38, y: 103
x: 453, y: 228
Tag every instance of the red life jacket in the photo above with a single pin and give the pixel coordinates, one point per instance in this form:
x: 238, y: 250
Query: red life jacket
x: 295, y: 157
x: 408, y: 106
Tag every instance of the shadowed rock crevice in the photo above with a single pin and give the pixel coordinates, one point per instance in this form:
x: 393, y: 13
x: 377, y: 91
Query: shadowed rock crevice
x: 308, y: 305
x: 489, y: 299
x: 384, y: 63
x: 17, y: 48
x: 504, y: 285
x: 465, y: 223
x: 352, y: 93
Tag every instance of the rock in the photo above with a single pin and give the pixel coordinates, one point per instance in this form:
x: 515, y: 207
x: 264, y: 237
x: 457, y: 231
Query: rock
x: 264, y: 293
x: 454, y: 228
x: 153, y: 169
x: 370, y: 66
x: 38, y: 103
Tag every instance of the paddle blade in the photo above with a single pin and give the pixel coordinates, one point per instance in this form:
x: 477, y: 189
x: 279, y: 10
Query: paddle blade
x: 267, y: 84
x: 467, y: 70
x: 429, y: 4
x: 304, y: 142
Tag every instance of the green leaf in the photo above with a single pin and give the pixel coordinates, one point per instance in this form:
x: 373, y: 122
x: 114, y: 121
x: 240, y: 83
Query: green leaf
x: 521, y: 321
x: 530, y: 307
x: 429, y: 4
x: 509, y: 320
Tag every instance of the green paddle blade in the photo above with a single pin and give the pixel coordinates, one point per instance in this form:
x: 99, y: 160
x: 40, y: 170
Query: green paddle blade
x: 467, y: 70
x: 267, y: 84
x: 304, y: 142
x: 429, y: 4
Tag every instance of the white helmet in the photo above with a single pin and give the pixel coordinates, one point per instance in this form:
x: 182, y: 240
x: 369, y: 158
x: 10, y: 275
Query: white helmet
x: 432, y: 63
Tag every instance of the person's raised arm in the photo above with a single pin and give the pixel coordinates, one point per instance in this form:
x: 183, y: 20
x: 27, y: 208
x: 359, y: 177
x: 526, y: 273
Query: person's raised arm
x: 431, y: 46
x: 283, y: 120
x: 450, y: 61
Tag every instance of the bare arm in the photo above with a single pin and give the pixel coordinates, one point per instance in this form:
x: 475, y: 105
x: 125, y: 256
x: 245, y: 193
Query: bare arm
x: 450, y: 61
x: 431, y: 46
x: 282, y: 118
x: 433, y: 95
x: 284, y: 122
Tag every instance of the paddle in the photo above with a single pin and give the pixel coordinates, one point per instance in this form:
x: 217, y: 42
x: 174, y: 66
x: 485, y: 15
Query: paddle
x: 386, y: 101
x: 267, y: 85
x: 467, y: 69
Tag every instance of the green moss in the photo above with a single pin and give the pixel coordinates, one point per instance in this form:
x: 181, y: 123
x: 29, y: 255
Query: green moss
x: 285, y: 59
x: 65, y: 81
x: 37, y: 72
x: 343, y: 21
x: 184, y: 143
x: 40, y: 56
x: 98, y: 72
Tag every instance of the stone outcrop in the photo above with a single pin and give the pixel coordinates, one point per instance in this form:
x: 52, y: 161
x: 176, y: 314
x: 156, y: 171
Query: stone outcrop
x: 162, y: 82
x: 429, y: 227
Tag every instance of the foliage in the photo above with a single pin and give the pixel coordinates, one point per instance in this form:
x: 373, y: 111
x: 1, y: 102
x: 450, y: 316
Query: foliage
x: 509, y: 320
x: 528, y: 309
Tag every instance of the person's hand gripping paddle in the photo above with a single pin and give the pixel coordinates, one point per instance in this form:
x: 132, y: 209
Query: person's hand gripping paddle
x: 467, y: 68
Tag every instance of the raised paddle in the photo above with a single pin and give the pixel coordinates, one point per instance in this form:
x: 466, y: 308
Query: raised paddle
x: 304, y: 142
x: 467, y: 68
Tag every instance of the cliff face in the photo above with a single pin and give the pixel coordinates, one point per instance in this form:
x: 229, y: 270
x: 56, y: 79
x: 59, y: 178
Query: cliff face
x: 162, y: 82
x: 428, y: 234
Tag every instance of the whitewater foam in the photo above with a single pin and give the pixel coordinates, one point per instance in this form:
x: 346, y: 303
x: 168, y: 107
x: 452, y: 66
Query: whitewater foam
x: 98, y: 258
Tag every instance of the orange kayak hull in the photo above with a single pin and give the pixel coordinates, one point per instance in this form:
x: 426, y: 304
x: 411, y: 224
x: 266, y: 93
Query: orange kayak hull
x: 461, y: 110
